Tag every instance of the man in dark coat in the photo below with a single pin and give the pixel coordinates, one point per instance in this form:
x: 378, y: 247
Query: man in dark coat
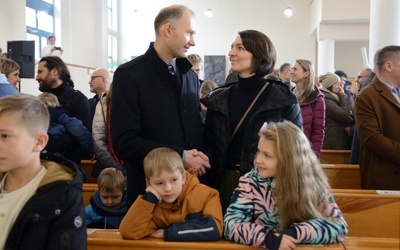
x: 53, y: 77
x: 377, y: 114
x: 153, y: 106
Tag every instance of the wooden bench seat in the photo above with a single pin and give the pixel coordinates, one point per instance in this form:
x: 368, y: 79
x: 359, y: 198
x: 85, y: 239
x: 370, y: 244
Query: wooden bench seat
x: 343, y: 176
x: 329, y: 156
x: 371, y: 243
x: 107, y: 239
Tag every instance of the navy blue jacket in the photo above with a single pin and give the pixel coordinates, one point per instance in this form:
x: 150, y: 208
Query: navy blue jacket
x: 279, y: 104
x: 149, y: 109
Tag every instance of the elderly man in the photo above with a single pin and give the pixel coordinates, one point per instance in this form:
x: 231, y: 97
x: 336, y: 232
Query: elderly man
x: 361, y: 77
x: 99, y: 83
x: 377, y: 114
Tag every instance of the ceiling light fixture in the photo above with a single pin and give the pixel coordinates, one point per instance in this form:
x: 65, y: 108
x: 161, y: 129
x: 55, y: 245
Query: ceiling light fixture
x: 209, y: 13
x: 288, y: 12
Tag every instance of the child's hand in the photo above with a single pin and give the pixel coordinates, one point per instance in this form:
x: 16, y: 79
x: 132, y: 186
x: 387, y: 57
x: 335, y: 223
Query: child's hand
x: 287, y: 242
x: 152, y: 190
x: 158, y: 234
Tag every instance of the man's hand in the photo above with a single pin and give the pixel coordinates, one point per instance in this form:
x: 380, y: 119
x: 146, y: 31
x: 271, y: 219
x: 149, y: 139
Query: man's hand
x: 196, y: 162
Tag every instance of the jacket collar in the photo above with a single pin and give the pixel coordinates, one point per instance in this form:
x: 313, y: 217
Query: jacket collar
x: 183, y: 65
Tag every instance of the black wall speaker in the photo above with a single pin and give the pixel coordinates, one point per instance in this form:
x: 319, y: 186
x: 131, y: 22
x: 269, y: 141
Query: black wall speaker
x: 23, y: 52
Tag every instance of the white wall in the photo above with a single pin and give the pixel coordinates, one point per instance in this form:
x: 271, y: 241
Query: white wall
x: 215, y: 35
x: 83, y: 30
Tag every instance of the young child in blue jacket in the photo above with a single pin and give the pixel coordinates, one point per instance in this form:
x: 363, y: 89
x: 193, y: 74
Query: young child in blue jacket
x: 62, y: 123
x: 108, y: 204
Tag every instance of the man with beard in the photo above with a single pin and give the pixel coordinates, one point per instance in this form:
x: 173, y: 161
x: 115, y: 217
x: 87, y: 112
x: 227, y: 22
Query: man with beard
x: 53, y: 77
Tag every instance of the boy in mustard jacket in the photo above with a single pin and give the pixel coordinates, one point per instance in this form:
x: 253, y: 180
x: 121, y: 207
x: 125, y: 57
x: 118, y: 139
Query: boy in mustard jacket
x: 176, y: 207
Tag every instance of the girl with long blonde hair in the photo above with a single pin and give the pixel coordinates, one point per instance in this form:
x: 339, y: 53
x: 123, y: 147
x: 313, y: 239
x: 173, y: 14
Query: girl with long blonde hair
x: 286, y: 198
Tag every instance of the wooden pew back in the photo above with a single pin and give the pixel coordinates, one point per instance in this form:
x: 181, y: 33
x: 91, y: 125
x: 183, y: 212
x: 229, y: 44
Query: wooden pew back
x: 335, y: 156
x: 343, y: 176
x: 87, y: 192
x: 87, y: 166
x: 369, y: 214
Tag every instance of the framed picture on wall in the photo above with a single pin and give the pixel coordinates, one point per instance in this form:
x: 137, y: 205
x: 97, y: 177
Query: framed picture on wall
x: 214, y: 69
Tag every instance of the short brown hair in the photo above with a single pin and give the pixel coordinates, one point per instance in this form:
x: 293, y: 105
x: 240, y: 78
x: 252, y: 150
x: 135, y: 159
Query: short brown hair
x: 160, y: 159
x: 207, y: 87
x: 262, y: 49
x: 111, y: 179
x: 194, y: 59
x: 170, y: 14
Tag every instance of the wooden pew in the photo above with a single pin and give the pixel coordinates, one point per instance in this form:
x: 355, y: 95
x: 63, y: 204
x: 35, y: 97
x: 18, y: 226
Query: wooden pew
x: 343, y: 176
x: 335, y: 156
x: 369, y: 214
x: 371, y: 243
x: 87, y: 192
x: 87, y: 166
x: 107, y: 239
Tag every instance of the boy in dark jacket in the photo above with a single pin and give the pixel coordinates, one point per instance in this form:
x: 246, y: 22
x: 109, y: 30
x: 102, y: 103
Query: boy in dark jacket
x: 41, y: 201
x: 176, y: 207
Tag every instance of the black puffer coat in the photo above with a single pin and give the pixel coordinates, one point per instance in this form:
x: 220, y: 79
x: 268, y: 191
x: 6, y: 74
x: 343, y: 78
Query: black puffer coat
x: 280, y: 104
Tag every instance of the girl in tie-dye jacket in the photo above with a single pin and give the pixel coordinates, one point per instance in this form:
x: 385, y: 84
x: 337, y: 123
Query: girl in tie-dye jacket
x: 285, y: 200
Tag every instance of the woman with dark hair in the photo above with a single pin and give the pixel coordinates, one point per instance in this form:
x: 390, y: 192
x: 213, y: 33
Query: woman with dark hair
x: 237, y: 111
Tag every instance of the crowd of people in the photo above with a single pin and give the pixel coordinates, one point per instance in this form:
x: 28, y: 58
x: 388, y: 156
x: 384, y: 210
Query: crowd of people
x: 183, y: 159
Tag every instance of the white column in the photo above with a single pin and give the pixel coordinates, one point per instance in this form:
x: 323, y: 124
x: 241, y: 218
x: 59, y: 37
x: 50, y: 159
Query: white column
x: 384, y: 26
x: 326, y: 56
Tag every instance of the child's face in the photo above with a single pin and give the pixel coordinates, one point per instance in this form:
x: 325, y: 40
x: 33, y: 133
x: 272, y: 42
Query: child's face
x: 111, y: 199
x: 18, y: 148
x: 168, y: 185
x: 266, y: 160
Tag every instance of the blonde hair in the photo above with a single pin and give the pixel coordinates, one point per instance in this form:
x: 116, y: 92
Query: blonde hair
x: 162, y: 159
x: 308, y: 81
x: 301, y: 184
x: 110, y: 180
x: 207, y: 87
x: 194, y: 59
x: 8, y: 66
x: 49, y: 99
x: 33, y: 113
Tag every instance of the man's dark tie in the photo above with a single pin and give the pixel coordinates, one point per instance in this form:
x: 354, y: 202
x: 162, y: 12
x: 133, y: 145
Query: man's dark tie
x: 171, y: 69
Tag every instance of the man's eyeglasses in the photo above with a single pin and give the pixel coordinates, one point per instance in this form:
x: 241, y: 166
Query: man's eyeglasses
x: 94, y: 77
x: 359, y: 77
